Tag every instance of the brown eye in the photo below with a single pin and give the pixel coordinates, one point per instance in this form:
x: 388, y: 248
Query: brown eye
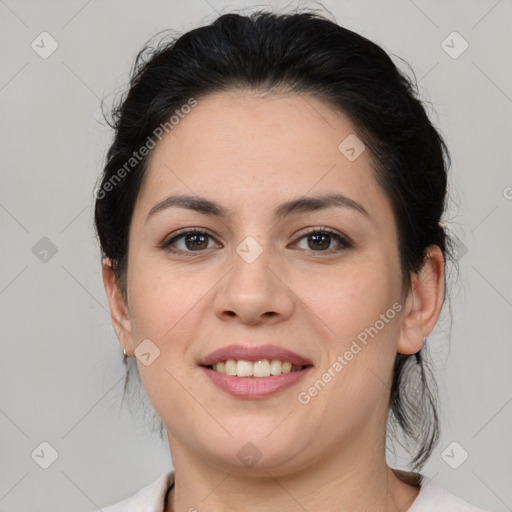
x: 320, y: 240
x: 188, y: 242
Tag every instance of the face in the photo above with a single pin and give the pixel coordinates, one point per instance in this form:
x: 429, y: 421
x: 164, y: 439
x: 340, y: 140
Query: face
x: 252, y: 278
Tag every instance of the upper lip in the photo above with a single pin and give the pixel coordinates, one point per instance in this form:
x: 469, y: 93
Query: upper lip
x: 254, y: 353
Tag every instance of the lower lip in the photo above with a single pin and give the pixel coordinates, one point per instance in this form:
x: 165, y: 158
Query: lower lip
x: 255, y: 387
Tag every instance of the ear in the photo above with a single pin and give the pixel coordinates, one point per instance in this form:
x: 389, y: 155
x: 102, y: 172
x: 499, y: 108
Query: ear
x: 119, y: 311
x: 424, y: 302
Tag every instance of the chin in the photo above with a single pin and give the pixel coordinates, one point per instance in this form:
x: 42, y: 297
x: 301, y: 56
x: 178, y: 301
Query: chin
x: 255, y: 453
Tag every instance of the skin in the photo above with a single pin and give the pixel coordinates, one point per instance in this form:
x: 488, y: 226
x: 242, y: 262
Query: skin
x: 251, y: 152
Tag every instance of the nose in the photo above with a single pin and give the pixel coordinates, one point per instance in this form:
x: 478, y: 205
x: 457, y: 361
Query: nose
x: 254, y: 291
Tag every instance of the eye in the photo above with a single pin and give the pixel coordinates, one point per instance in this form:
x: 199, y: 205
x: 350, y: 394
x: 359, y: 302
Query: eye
x: 197, y: 240
x: 194, y: 240
x: 320, y: 239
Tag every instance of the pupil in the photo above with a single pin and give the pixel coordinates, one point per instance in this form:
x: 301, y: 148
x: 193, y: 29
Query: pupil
x: 189, y: 238
x: 324, y: 245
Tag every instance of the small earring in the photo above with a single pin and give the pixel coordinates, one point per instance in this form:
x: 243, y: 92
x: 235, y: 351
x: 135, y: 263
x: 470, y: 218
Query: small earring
x: 125, y: 357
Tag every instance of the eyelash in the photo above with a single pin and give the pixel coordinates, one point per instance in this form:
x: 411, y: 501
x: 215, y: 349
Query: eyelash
x: 345, y: 244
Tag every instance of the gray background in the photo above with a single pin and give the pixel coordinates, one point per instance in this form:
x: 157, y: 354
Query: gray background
x: 61, y: 372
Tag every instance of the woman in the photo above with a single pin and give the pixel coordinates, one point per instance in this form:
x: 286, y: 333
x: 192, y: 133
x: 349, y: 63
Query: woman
x: 274, y: 259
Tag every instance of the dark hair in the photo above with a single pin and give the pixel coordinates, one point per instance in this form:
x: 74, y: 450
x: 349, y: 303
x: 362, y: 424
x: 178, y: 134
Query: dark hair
x: 301, y: 52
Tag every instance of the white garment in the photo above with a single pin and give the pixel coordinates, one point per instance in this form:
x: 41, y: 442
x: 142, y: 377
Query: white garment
x: 431, y: 498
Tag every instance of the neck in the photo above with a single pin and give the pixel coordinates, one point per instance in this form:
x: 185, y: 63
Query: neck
x: 330, y: 484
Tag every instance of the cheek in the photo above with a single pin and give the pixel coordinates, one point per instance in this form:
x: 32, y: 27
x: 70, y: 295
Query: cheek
x: 353, y: 297
x: 162, y: 302
x: 164, y: 311
x: 359, y: 305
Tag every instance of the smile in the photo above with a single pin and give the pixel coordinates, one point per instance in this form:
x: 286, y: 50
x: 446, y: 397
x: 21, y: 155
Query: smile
x: 261, y: 368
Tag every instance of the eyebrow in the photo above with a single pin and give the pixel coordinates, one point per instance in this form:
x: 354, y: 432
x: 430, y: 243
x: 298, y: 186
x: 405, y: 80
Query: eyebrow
x: 295, y: 206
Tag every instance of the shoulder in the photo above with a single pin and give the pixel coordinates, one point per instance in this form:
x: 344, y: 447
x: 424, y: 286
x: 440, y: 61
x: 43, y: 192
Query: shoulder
x: 150, y: 498
x: 434, y: 498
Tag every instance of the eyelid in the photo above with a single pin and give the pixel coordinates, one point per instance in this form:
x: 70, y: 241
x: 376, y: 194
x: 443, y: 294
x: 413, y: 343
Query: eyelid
x: 344, y: 241
x: 182, y: 232
x: 186, y: 231
x: 321, y: 229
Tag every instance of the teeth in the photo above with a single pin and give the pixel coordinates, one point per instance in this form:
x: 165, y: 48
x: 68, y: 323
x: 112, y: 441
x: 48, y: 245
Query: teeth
x: 244, y: 368
x: 275, y: 367
x: 230, y: 367
x: 262, y: 368
x: 286, y: 367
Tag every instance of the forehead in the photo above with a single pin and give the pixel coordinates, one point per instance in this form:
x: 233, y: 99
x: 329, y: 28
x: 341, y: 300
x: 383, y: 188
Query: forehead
x: 257, y: 149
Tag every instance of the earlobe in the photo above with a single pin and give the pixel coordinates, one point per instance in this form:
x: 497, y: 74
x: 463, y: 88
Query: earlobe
x: 424, y: 302
x: 119, y: 312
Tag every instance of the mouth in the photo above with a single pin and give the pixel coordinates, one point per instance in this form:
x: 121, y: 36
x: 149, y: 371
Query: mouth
x: 250, y: 372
